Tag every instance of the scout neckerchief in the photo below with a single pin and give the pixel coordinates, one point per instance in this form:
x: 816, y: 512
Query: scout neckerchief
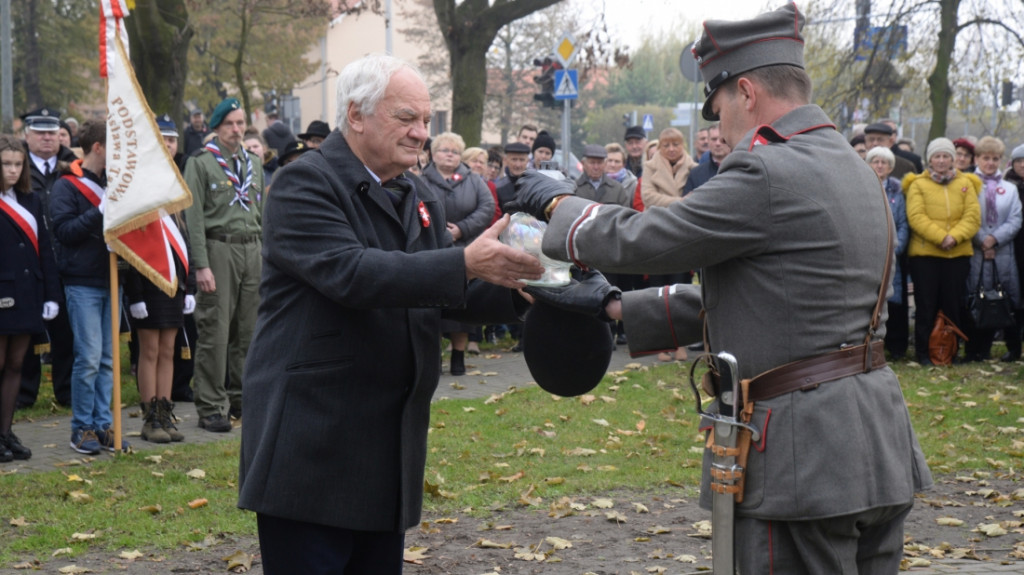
x: 90, y: 189
x: 241, y: 189
x: 22, y: 217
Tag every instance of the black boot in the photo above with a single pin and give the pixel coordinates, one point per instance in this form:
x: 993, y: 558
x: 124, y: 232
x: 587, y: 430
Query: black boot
x: 458, y: 363
x: 13, y: 445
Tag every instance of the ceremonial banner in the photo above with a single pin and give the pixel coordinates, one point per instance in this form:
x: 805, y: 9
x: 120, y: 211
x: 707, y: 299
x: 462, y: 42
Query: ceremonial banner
x: 143, y: 184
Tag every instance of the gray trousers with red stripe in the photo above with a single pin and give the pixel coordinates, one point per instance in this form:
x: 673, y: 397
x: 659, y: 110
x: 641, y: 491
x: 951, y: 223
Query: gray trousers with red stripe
x: 869, y: 542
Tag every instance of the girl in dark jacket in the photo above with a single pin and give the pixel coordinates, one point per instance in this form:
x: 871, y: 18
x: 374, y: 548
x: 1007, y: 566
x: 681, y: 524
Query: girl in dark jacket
x: 29, y: 286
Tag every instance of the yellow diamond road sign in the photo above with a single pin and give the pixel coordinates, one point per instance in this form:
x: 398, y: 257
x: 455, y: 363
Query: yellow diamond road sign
x: 566, y: 49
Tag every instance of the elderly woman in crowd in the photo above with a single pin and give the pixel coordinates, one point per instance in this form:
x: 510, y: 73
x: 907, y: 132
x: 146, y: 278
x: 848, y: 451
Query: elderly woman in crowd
x: 662, y: 185
x: 897, y: 327
x: 666, y: 172
x: 1015, y: 175
x: 476, y: 159
x: 993, y: 243
x: 615, y: 167
x: 963, y: 160
x: 943, y: 212
x: 469, y: 207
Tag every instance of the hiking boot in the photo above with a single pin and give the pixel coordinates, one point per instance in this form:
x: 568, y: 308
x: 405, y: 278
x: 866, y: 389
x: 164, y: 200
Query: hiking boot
x: 85, y: 441
x: 216, y: 423
x: 106, y: 437
x: 13, y: 444
x: 166, y: 416
x: 152, y: 424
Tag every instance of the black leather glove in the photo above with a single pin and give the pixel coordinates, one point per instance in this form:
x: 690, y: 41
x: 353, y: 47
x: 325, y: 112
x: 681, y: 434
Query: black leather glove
x: 534, y: 192
x: 588, y: 296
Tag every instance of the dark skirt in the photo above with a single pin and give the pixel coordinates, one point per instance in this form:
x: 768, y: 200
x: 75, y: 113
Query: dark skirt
x: 164, y: 312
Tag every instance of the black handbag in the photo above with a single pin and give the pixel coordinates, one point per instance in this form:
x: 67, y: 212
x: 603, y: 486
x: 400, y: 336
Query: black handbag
x: 990, y: 308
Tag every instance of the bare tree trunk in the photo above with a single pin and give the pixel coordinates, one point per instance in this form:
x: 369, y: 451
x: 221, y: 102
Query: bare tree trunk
x: 938, y: 80
x: 159, y: 33
x: 238, y: 63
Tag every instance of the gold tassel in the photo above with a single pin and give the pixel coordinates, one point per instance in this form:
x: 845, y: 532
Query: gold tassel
x: 41, y: 348
x: 186, y: 352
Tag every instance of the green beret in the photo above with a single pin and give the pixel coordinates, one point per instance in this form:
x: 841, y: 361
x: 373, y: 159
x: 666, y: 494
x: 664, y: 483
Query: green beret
x: 727, y: 49
x: 226, y: 106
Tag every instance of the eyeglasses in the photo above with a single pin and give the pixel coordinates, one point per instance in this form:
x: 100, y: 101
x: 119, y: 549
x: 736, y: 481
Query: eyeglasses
x: 447, y: 151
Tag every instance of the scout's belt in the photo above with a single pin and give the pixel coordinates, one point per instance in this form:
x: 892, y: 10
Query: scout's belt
x: 809, y: 373
x: 235, y: 238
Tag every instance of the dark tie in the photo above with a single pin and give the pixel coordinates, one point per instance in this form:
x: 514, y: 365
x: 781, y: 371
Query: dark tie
x: 47, y: 172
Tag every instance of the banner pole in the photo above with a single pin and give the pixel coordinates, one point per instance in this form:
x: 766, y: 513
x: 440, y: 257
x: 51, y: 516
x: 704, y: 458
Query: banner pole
x: 115, y: 342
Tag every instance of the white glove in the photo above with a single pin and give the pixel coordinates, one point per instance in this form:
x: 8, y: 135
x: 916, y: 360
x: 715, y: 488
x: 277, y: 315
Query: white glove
x: 50, y: 310
x: 190, y: 304
x: 138, y: 310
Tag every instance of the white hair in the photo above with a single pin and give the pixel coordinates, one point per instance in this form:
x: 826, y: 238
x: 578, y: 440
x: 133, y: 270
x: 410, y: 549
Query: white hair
x: 364, y: 82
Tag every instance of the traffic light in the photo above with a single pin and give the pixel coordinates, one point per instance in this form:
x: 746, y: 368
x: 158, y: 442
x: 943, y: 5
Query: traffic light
x: 626, y: 120
x: 1007, y: 92
x: 546, y: 80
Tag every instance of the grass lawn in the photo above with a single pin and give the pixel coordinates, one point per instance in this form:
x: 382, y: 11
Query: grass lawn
x: 636, y: 431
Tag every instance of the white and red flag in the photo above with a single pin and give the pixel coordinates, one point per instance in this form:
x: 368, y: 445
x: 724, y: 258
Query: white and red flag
x: 143, y: 185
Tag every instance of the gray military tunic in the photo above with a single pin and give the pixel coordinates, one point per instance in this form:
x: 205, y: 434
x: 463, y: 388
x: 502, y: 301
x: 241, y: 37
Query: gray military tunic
x: 791, y: 237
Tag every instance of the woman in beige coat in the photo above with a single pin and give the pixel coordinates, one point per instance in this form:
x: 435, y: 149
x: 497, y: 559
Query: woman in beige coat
x: 666, y: 173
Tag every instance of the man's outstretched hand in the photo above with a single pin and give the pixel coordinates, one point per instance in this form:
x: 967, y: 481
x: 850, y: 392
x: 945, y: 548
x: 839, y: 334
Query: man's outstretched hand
x: 494, y: 262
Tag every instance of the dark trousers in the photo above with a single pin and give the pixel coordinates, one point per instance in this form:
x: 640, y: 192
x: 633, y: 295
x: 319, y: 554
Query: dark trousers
x: 289, y: 546
x: 868, y: 543
x: 897, y: 329
x: 939, y: 284
x: 62, y: 358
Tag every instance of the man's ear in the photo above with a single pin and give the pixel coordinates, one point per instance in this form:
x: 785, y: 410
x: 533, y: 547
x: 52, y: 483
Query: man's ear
x: 745, y: 89
x: 355, y: 118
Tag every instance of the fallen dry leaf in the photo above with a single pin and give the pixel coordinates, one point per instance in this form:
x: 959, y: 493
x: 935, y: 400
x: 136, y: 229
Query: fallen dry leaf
x: 488, y: 544
x: 658, y: 530
x: 640, y: 508
x: 79, y: 497
x: 527, y: 555
x: 703, y: 529
x: 415, y: 555
x: 73, y: 570
x: 154, y: 458
x: 949, y: 521
x: 239, y: 561
x: 152, y: 509
x: 558, y: 543
x: 62, y: 551
x: 131, y: 555
x: 83, y: 536
x: 197, y: 503
x: 196, y: 474
x: 26, y: 565
x: 615, y: 516
x: 603, y: 503
x: 19, y: 522
x: 991, y: 529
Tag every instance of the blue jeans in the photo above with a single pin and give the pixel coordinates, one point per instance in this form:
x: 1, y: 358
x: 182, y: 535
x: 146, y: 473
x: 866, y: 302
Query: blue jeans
x: 92, y: 376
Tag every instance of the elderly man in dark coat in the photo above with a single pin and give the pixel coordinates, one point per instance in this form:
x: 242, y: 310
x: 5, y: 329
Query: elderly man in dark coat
x: 792, y: 239
x: 358, y: 272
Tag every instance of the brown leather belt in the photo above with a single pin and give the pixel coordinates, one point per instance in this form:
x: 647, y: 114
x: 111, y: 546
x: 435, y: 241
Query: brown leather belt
x: 809, y: 373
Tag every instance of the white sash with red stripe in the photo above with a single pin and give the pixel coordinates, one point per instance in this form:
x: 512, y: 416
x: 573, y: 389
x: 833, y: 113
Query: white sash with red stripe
x: 90, y: 189
x: 22, y: 218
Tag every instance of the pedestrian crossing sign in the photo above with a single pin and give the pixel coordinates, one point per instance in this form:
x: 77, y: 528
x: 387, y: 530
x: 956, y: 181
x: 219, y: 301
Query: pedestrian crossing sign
x: 566, y: 85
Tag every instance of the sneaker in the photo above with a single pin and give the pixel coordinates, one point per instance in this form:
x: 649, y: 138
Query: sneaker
x: 85, y: 441
x: 215, y: 423
x: 13, y: 444
x: 106, y: 437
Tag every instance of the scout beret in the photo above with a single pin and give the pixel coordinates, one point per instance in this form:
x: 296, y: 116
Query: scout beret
x: 594, y: 151
x: 567, y: 353
x: 42, y: 120
x: 226, y: 106
x: 516, y: 148
x: 316, y: 128
x: 635, y: 132
x: 727, y: 49
x: 544, y: 140
x: 879, y: 128
x: 167, y: 126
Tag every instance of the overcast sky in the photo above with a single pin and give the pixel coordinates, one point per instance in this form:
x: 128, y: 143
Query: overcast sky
x: 633, y: 19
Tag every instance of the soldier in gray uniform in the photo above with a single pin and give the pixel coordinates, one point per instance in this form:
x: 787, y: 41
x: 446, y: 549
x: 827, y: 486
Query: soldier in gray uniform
x: 792, y: 239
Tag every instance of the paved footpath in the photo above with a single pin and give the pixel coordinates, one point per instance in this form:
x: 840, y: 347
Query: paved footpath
x: 492, y: 372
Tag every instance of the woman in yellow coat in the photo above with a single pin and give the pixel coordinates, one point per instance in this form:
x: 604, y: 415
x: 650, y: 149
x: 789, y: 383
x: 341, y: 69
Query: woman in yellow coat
x: 944, y: 214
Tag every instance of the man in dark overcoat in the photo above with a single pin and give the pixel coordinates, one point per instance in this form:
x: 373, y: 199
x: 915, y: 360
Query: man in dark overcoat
x: 791, y: 236
x: 358, y: 272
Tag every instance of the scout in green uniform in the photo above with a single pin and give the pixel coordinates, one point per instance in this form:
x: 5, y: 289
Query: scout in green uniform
x: 224, y: 225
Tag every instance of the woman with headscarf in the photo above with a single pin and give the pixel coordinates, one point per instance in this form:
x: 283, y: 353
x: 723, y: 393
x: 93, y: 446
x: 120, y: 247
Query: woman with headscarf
x: 943, y: 212
x: 993, y: 244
